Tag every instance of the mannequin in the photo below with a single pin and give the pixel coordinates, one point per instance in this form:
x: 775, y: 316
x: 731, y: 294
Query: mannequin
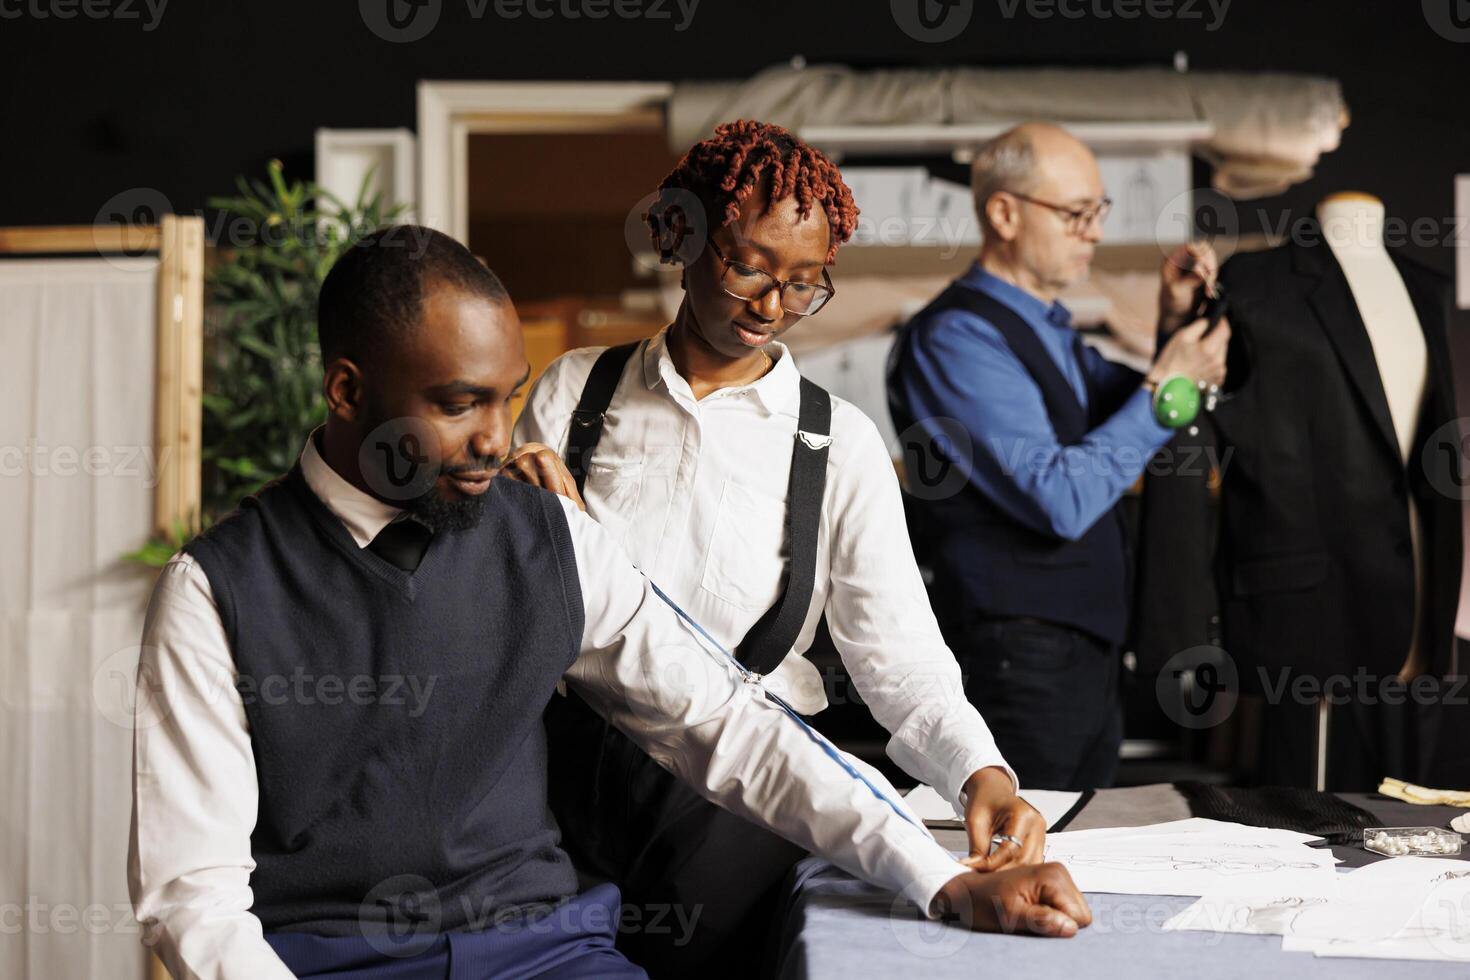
x: 1352, y: 226
x: 1334, y: 554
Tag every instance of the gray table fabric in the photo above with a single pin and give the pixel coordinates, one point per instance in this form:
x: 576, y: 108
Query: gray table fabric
x: 837, y: 928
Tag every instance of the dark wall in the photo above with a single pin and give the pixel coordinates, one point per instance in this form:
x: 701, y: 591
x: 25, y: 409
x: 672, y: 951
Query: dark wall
x: 94, y: 107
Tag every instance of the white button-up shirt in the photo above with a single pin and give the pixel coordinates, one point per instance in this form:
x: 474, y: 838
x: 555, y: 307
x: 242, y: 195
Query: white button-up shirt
x: 695, y: 491
x: 195, y: 791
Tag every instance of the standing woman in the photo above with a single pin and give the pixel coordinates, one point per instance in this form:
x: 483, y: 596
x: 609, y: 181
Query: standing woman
x: 757, y: 502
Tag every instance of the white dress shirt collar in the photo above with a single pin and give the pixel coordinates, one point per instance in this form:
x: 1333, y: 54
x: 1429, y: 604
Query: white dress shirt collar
x: 362, y: 514
x: 778, y: 390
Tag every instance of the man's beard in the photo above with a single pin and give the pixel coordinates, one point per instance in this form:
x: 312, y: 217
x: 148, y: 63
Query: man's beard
x: 432, y: 509
x: 454, y: 515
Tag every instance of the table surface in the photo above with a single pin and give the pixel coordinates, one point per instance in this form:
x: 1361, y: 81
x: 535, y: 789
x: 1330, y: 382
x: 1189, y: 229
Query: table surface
x: 837, y: 928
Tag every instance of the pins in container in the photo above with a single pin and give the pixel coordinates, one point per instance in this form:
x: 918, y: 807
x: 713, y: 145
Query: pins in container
x: 1411, y: 841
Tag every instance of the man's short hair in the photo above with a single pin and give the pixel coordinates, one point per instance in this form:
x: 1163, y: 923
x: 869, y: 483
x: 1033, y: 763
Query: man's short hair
x: 373, y: 297
x: 1006, y: 163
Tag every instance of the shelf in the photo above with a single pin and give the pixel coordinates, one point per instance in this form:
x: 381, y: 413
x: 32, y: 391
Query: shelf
x: 961, y: 140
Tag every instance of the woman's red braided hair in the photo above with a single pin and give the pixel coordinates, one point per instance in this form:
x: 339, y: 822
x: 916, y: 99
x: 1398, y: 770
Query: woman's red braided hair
x: 744, y: 156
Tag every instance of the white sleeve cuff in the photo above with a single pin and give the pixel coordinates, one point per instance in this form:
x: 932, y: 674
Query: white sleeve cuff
x: 966, y: 767
x: 922, y: 867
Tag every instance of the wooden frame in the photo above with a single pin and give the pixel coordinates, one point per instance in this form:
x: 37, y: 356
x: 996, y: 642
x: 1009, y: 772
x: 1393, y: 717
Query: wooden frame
x: 340, y: 152
x: 178, y: 414
x: 448, y: 112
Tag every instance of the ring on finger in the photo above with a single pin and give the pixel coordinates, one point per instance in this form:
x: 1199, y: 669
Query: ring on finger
x: 996, y: 840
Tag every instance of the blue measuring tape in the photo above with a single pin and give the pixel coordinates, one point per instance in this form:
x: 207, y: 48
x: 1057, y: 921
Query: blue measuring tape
x: 791, y: 712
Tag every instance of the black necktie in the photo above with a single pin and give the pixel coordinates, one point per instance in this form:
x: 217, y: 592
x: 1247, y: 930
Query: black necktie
x: 402, y: 543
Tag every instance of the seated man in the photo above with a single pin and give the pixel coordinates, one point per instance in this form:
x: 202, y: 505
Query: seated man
x: 340, y: 766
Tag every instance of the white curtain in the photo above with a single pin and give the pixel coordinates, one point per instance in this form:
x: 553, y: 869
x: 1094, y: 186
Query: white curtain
x: 77, y: 471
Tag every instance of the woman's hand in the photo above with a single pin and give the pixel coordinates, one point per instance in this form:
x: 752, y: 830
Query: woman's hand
x: 1040, y: 899
x: 540, y: 466
x: 992, y: 807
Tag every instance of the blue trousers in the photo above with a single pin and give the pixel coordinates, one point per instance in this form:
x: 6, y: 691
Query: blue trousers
x: 574, y: 940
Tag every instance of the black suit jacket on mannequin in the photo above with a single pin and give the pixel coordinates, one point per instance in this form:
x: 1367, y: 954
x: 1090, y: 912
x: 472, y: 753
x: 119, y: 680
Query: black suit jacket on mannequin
x: 1314, y: 568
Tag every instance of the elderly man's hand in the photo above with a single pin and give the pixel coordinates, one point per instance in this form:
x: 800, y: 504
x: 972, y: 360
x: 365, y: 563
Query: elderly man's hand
x: 540, y: 466
x: 1187, y: 270
x: 1040, y: 899
x: 1194, y: 353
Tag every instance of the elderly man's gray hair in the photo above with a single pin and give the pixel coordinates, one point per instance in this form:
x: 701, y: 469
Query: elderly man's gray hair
x: 1006, y: 163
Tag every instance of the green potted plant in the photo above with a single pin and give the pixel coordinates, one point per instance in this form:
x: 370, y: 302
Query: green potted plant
x: 262, y: 366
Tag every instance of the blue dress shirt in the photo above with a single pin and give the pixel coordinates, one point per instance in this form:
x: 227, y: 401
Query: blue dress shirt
x: 963, y: 370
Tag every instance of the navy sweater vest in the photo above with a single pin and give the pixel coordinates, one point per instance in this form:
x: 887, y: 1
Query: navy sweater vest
x: 985, y: 562
x: 395, y: 717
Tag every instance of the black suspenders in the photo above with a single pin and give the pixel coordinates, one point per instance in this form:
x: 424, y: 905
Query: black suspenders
x: 591, y: 410
x: 772, y: 636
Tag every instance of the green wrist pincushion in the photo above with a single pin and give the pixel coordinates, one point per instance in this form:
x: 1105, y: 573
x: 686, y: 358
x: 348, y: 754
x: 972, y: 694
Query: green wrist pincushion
x: 1176, y: 401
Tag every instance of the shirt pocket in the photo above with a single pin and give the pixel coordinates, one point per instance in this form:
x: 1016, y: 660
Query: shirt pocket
x: 614, y: 488
x: 744, y: 560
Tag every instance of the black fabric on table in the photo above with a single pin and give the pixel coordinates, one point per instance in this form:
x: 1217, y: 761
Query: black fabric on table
x: 1288, y: 808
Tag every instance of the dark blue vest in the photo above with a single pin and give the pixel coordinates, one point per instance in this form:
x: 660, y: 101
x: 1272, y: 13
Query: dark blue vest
x: 395, y: 717
x: 985, y: 563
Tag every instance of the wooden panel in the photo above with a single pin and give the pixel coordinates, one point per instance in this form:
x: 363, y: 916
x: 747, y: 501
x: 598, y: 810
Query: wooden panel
x: 79, y: 239
x: 548, y: 210
x: 179, y: 419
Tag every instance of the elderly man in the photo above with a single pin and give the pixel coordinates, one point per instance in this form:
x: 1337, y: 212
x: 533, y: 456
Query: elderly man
x: 990, y: 380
